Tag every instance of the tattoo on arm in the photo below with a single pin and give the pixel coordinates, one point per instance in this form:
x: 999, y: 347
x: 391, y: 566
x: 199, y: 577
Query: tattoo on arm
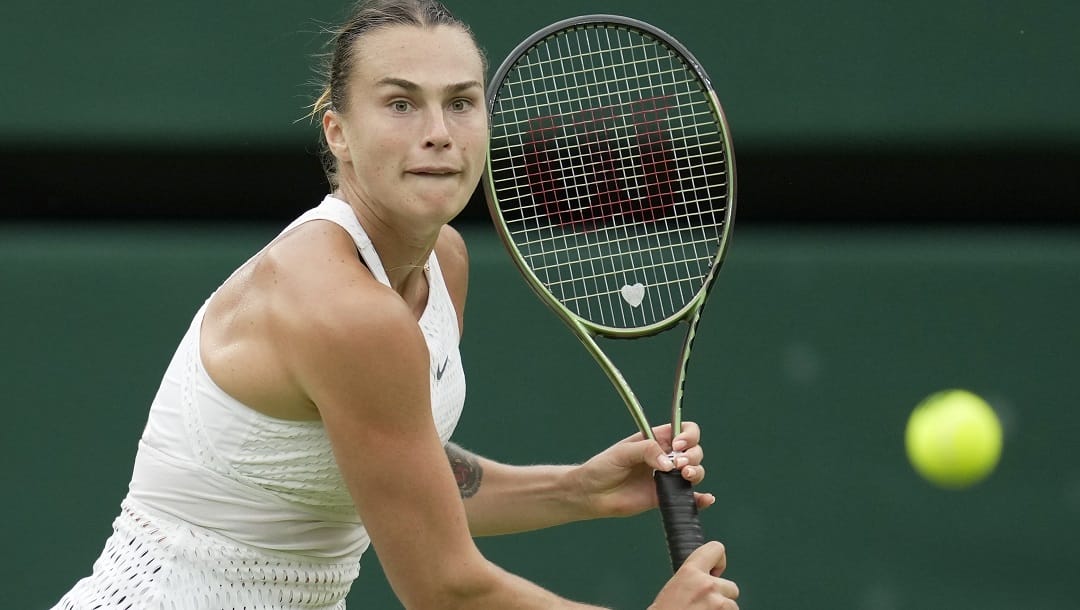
x: 466, y: 469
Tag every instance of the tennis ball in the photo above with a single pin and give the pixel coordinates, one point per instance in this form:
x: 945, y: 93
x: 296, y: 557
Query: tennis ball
x: 953, y: 439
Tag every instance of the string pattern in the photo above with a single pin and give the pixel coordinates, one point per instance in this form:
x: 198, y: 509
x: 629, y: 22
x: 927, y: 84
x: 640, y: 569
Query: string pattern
x: 609, y: 167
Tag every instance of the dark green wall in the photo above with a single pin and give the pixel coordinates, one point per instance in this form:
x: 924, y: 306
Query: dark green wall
x: 815, y: 347
x: 843, y: 111
x: 236, y: 73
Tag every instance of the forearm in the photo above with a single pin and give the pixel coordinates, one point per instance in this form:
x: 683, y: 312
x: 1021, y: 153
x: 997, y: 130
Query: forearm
x: 504, y: 499
x: 499, y: 590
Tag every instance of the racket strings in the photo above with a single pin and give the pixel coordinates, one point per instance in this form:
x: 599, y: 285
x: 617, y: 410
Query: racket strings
x: 610, y: 172
x: 525, y: 97
x: 528, y: 209
x: 534, y: 240
x: 585, y: 278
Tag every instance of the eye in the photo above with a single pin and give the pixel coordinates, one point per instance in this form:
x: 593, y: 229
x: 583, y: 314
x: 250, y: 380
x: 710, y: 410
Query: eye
x: 461, y: 105
x: 400, y: 106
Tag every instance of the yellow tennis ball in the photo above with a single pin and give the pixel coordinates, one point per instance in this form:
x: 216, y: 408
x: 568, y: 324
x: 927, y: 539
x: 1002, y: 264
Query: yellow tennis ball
x: 953, y: 439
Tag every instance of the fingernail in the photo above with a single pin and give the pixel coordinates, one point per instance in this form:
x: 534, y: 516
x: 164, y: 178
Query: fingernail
x: 666, y: 463
x: 680, y: 462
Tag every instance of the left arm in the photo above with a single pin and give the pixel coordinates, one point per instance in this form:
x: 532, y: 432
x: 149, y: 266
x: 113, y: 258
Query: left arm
x: 503, y: 499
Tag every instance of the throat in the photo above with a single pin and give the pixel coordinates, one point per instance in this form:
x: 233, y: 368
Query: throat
x: 416, y: 290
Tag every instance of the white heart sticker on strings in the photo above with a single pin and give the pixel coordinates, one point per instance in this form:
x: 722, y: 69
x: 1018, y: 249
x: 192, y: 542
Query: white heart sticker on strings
x: 633, y: 294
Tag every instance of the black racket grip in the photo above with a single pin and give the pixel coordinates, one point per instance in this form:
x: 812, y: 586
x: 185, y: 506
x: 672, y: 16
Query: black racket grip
x: 680, y: 515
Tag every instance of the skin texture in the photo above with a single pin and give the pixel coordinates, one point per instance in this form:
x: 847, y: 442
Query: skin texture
x: 305, y: 332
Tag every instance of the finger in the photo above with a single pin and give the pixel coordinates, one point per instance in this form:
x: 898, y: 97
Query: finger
x: 727, y: 588
x: 632, y: 453
x: 704, y: 500
x: 655, y: 456
x: 710, y: 557
x: 662, y: 434
x: 689, y: 436
x: 694, y: 474
x: 694, y: 455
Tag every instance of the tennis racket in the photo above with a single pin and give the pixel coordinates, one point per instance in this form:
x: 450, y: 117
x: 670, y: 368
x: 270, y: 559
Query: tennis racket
x: 611, y: 181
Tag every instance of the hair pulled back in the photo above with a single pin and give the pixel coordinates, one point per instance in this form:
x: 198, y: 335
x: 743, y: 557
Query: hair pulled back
x: 368, y: 16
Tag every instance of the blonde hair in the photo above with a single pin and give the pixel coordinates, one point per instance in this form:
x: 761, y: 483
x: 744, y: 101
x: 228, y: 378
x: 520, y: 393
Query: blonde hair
x: 368, y: 16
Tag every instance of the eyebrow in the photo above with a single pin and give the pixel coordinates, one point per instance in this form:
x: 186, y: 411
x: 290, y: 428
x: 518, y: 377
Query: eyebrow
x: 412, y: 87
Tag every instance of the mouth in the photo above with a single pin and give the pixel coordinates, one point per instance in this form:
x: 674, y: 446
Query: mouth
x: 437, y: 172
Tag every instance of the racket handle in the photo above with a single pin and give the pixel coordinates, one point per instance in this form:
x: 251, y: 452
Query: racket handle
x: 680, y: 515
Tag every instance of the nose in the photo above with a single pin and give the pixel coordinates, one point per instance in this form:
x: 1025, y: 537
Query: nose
x: 437, y: 136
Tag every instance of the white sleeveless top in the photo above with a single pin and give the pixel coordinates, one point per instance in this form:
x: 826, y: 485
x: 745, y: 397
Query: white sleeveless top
x: 211, y: 461
x: 229, y: 508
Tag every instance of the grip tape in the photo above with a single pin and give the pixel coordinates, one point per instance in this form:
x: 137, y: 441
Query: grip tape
x: 680, y: 515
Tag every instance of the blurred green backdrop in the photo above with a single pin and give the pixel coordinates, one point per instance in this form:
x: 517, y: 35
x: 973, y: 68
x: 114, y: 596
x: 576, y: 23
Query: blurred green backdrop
x: 846, y: 110
x: 815, y: 347
x: 146, y: 70
x: 187, y: 117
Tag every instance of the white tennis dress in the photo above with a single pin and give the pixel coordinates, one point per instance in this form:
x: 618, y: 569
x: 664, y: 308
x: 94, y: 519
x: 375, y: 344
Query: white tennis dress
x: 231, y: 509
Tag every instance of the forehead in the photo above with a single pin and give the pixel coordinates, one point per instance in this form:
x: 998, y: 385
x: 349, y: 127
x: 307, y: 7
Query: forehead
x: 424, y: 55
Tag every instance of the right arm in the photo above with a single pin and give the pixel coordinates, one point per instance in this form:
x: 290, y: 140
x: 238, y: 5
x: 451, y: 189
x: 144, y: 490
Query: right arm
x: 361, y: 359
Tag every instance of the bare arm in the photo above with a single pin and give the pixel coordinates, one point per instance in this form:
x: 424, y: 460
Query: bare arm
x: 359, y: 356
x: 501, y: 499
x: 531, y: 497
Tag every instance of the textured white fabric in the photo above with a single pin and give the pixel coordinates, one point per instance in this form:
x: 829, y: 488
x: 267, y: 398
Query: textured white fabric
x: 154, y: 562
x: 225, y: 501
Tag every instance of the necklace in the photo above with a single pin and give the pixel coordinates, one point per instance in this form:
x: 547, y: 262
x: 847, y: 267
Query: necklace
x: 426, y: 267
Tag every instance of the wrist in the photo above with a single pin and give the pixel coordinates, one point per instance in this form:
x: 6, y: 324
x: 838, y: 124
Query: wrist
x: 579, y: 499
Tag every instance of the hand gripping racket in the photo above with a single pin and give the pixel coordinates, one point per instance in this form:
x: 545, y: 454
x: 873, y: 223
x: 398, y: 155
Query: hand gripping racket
x: 611, y: 181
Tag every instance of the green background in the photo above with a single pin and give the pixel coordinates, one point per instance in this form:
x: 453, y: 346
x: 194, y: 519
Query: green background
x: 850, y: 110
x: 847, y: 71
x: 815, y: 347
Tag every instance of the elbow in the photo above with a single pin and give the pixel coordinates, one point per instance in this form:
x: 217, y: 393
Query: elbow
x: 465, y: 585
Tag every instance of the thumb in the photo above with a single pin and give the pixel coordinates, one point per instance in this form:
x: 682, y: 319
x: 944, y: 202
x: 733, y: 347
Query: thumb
x: 710, y: 557
x: 629, y: 454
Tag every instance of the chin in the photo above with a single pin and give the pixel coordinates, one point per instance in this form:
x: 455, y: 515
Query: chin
x: 446, y: 201
x: 436, y: 211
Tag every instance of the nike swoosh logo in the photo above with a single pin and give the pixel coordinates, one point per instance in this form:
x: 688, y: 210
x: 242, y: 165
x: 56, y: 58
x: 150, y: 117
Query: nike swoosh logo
x: 442, y: 369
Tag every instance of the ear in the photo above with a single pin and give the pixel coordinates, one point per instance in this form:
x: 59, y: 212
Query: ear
x: 334, y: 129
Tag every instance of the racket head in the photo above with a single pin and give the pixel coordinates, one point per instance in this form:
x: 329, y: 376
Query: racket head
x: 610, y: 174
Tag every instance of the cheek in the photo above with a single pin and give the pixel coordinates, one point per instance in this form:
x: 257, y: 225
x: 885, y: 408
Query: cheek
x: 378, y: 140
x: 474, y: 140
x: 374, y: 156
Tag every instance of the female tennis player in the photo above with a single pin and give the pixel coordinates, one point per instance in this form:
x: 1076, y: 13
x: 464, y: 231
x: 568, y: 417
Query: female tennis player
x: 308, y: 409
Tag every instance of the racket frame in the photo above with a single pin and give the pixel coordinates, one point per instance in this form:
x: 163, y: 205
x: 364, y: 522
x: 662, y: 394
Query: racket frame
x: 586, y: 330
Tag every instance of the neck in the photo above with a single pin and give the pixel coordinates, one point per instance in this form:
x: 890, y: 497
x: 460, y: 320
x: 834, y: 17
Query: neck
x: 404, y: 253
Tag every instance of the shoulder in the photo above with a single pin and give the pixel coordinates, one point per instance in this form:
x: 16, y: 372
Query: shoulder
x: 303, y: 319
x: 309, y: 271
x: 451, y: 249
x: 329, y: 311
